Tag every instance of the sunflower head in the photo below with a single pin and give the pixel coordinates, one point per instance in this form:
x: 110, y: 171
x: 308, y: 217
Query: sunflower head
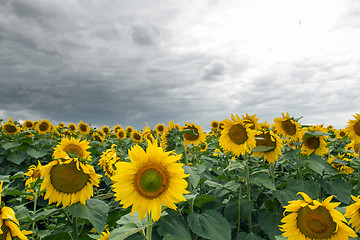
x: 44, y: 126
x: 129, y: 129
x: 311, y: 219
x: 353, y: 127
x: 72, y: 127
x: 288, y: 127
x: 97, y: 137
x: 353, y: 212
x: 152, y: 179
x: 214, y: 125
x: 193, y: 134
x: 72, y: 148
x: 251, y: 121
x: 314, y: 140
x: 117, y: 127
x: 268, y: 145
x: 170, y: 136
x: 28, y: 124
x: 83, y: 128
x: 160, y: 128
x: 120, y: 133
x: 106, y: 129
x: 9, y: 128
x: 136, y: 136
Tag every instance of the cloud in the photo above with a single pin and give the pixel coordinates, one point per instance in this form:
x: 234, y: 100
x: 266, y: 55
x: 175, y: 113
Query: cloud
x: 216, y: 68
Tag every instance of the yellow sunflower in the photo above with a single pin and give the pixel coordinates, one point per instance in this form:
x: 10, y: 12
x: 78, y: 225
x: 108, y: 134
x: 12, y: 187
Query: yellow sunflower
x: 214, y: 125
x: 83, y: 128
x: 129, y: 129
x: 353, y: 128
x: 9, y: 225
x: 44, y: 126
x: 340, y: 133
x: 167, y: 138
x: 100, y: 132
x: 353, y: 212
x: 272, y: 145
x: 117, y: 127
x: 72, y: 127
x: 311, y: 219
x: 251, y: 121
x: 288, y: 127
x: 160, y: 128
x: 147, y: 133
x: 61, y: 125
x: 72, y: 148
x: 194, y: 134
x: 120, y: 134
x: 105, y: 235
x: 97, y: 137
x: 152, y: 178
x: 28, y: 124
x: 108, y: 159
x: 68, y: 181
x: 33, y: 174
x: 342, y: 167
x: 106, y: 129
x: 136, y: 136
x: 314, y: 143
x: 9, y: 128
x: 237, y: 137
x: 353, y: 146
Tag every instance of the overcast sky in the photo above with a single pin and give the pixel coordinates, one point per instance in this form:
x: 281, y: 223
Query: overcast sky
x: 134, y: 62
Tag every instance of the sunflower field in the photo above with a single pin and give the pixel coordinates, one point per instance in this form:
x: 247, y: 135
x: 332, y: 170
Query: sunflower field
x: 243, y: 180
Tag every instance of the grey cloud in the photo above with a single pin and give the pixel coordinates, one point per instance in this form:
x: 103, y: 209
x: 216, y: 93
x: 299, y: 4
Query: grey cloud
x: 215, y: 69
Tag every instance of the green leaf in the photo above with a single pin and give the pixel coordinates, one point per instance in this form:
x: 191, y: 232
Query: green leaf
x: 169, y: 236
x: 262, y: 179
x: 231, y: 209
x: 95, y: 211
x: 210, y: 225
x: 284, y: 196
x: 316, y: 133
x: 194, y: 176
x: 36, y: 153
x: 247, y: 236
x: 262, y: 148
x: 339, y: 188
x: 9, y: 145
x: 269, y: 222
x: 59, y: 236
x: 316, y: 163
x: 311, y: 188
x: 175, y: 225
x: 200, y: 200
x: 17, y: 158
x: 125, y: 231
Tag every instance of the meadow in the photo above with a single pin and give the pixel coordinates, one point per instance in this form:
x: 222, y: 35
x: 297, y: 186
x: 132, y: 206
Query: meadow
x: 244, y: 180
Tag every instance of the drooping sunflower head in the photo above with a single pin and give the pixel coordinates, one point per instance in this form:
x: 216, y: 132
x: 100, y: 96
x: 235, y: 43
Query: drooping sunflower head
x: 214, y: 125
x: 83, y: 128
x: 311, y: 219
x: 354, y: 147
x: 129, y: 129
x: 340, y: 162
x: 160, y: 128
x: 101, y: 133
x: 34, y: 171
x: 10, y: 128
x: 152, y: 179
x: 314, y: 140
x: 72, y: 148
x: 44, y: 126
x: 252, y: 121
x: 237, y: 137
x: 72, y: 127
x: 120, y: 133
x: 268, y: 145
x: 340, y: 133
x: 168, y: 138
x: 136, y: 136
x: 353, y: 127
x: 117, y: 127
x: 106, y: 129
x: 353, y: 212
x: 68, y: 182
x: 108, y: 159
x: 61, y: 125
x: 193, y: 134
x: 97, y: 137
x: 288, y: 127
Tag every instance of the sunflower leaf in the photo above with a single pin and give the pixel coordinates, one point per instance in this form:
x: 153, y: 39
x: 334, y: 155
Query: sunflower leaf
x: 95, y: 211
x: 17, y: 158
x: 175, y: 225
x: 262, y: 148
x: 269, y: 222
x: 36, y: 153
x: 8, y: 145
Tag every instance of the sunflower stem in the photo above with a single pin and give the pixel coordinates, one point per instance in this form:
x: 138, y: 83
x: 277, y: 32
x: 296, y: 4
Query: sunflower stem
x: 298, y: 164
x: 75, y: 229
x: 248, y: 188
x: 358, y: 162
x: 191, y: 202
x: 34, y: 209
x: 239, y: 201
x: 149, y: 228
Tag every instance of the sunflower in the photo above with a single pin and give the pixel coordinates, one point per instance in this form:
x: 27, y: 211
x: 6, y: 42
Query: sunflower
x: 71, y: 147
x: 106, y: 129
x: 136, y: 136
x: 9, y: 225
x: 44, y: 126
x: 9, y: 128
x: 251, y: 121
x: 129, y: 129
x: 237, y: 137
x: 340, y: 134
x: 160, y: 128
x: 97, y: 137
x: 288, y: 127
x: 72, y: 127
x: 68, y: 181
x: 353, y: 146
x: 353, y: 128
x: 353, y: 212
x: 203, y: 146
x: 83, y: 128
x: 28, y: 124
x: 152, y: 178
x: 33, y: 174
x: 108, y: 159
x: 314, y: 143
x: 311, y: 219
x: 61, y: 125
x: 105, y: 235
x: 193, y: 134
x: 340, y: 163
x: 272, y: 145
x: 120, y: 134
x: 168, y: 138
x: 117, y: 127
x: 214, y: 125
x: 147, y: 133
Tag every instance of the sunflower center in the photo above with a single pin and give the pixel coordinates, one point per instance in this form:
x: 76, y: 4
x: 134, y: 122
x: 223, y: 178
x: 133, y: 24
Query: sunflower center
x: 357, y: 128
x: 317, y: 223
x: 36, y: 174
x: 214, y: 125
x: 288, y: 127
x: 238, y: 134
x: 151, y: 181
x: 74, y: 149
x: 83, y: 127
x: 137, y: 136
x: 160, y: 128
x: 5, y: 229
x: 28, y: 124
x: 266, y: 141
x: 67, y: 178
x: 72, y: 127
x: 190, y: 136
x: 312, y: 142
x: 10, y: 128
x: 43, y: 126
x: 120, y: 134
